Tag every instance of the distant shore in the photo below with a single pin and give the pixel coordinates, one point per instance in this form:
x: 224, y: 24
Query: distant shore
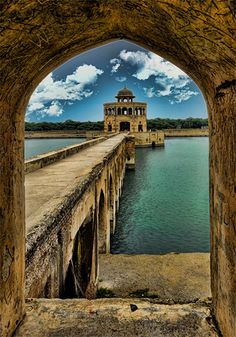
x: 90, y: 134
x: 186, y: 132
x: 55, y: 134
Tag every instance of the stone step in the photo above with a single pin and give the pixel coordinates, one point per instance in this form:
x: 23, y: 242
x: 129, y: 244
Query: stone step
x: 115, y: 318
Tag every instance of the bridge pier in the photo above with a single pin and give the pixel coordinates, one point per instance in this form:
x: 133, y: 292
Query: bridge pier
x: 130, y: 152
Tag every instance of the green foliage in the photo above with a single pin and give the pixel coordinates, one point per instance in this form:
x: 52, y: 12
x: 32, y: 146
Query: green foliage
x: 152, y: 124
x: 167, y: 123
x: 64, y: 126
x: 104, y: 292
x: 139, y: 293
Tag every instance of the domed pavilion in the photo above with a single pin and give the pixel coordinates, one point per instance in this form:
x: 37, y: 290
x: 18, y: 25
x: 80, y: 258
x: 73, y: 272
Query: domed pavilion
x: 125, y: 114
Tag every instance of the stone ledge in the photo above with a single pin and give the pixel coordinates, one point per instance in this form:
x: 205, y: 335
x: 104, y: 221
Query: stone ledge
x: 115, y: 318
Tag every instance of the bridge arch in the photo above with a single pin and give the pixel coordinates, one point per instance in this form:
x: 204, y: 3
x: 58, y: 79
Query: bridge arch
x: 102, y: 223
x: 197, y: 37
x: 111, y: 204
x: 80, y: 266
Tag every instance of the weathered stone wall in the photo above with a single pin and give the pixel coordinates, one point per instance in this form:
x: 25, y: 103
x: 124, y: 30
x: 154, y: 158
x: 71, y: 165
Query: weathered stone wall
x: 36, y: 37
x: 144, y: 139
x: 63, y: 134
x: 55, y: 134
x: 186, y: 132
x: 223, y: 205
x: 51, y: 241
x: 130, y: 152
x: 115, y: 121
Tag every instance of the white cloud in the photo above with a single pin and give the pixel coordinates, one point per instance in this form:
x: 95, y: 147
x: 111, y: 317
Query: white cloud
x: 166, y: 91
x: 35, y: 106
x: 55, y: 109
x: 48, y: 95
x: 116, y: 65
x: 177, y: 95
x: 150, y: 92
x: 183, y: 95
x: 120, y: 78
x: 171, y: 81
x: 85, y: 74
x: 150, y: 64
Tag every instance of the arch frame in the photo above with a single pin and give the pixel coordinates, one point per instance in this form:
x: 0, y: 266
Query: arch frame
x: 198, y: 37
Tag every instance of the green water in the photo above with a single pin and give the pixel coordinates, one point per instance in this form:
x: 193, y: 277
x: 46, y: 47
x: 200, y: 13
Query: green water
x: 33, y: 147
x: 165, y: 202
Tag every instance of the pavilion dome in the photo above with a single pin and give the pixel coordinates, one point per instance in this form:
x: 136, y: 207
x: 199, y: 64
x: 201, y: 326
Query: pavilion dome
x: 125, y: 92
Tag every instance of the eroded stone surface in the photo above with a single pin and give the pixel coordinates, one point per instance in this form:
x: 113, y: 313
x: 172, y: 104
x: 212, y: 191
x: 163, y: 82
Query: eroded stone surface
x: 169, y: 278
x: 115, y: 318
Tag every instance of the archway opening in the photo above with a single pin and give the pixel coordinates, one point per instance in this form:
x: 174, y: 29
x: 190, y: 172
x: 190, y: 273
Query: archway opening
x: 140, y: 127
x: 80, y: 266
x: 124, y: 126
x: 124, y: 111
x: 102, y: 224
x: 112, y: 206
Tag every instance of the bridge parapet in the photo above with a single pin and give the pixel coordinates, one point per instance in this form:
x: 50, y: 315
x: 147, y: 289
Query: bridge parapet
x: 51, y: 157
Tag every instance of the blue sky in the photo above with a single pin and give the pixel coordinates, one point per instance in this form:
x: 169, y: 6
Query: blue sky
x: 78, y: 88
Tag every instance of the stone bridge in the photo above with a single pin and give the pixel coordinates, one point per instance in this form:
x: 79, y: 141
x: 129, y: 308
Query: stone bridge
x: 71, y: 208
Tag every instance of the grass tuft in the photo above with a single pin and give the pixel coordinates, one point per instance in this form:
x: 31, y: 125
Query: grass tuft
x: 104, y: 293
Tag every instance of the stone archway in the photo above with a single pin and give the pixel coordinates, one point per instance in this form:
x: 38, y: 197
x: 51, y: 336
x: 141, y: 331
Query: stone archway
x: 124, y: 126
x: 111, y: 205
x: 197, y: 36
x: 79, y: 271
x: 102, y: 223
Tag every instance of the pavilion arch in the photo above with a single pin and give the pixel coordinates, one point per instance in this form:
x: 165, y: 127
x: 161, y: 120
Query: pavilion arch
x: 198, y: 37
x: 124, y: 111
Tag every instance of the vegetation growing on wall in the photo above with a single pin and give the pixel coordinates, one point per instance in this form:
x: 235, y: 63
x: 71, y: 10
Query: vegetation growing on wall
x: 153, y: 124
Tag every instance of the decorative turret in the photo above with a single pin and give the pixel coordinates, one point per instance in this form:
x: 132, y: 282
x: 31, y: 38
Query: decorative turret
x: 125, y: 95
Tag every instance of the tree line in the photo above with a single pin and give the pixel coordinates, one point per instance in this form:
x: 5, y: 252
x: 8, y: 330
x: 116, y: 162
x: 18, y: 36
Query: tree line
x: 64, y: 126
x: 152, y: 124
x: 167, y: 123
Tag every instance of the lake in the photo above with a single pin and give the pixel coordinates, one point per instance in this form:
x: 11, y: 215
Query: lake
x: 165, y: 202
x: 33, y: 147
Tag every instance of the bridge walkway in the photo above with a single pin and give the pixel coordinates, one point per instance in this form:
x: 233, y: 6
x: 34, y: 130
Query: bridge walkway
x: 46, y: 188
